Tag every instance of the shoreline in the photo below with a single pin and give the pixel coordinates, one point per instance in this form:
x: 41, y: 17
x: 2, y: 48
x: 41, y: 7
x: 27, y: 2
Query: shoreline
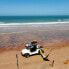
x: 33, y: 26
x: 34, y: 23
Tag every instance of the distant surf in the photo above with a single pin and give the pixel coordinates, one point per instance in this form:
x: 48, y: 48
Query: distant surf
x: 32, y: 20
x: 32, y: 23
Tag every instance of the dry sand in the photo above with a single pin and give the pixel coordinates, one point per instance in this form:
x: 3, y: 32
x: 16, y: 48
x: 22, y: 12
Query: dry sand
x: 8, y: 60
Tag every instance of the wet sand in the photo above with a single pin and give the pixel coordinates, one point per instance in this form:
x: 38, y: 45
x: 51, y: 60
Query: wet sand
x: 12, y: 37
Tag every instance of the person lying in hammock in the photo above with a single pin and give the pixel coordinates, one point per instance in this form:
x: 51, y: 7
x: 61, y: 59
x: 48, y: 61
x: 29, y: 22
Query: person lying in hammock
x: 44, y: 56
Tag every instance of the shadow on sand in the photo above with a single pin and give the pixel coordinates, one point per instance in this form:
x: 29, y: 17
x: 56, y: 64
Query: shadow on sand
x: 45, y: 59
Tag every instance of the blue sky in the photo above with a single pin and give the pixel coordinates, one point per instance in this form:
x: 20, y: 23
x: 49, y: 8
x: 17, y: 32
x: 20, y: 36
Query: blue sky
x: 34, y: 7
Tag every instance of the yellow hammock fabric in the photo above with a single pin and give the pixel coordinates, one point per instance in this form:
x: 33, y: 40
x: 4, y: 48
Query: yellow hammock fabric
x: 44, y: 56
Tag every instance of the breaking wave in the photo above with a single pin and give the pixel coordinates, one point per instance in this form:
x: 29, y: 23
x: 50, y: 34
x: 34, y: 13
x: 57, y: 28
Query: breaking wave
x: 32, y: 23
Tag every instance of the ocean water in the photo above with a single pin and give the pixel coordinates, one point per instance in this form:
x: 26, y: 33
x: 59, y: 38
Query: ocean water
x: 32, y: 19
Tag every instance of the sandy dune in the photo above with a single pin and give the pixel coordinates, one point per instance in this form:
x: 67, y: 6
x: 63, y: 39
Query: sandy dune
x: 8, y: 60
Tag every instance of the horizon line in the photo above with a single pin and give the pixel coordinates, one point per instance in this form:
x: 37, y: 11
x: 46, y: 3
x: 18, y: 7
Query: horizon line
x: 34, y: 15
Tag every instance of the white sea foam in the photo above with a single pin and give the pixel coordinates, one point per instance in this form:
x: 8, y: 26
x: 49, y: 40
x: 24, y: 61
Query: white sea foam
x: 33, y: 23
x: 1, y: 22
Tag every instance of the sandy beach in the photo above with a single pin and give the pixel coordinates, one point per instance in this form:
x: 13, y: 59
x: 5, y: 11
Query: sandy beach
x: 13, y: 39
x: 8, y: 60
x: 34, y: 34
x: 35, y: 31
